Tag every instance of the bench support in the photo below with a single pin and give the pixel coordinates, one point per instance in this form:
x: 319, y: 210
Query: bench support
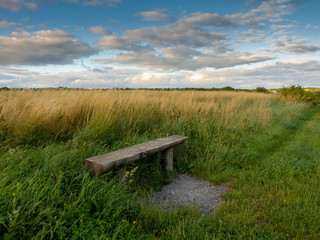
x: 168, y: 158
x: 122, y: 173
x: 105, y: 162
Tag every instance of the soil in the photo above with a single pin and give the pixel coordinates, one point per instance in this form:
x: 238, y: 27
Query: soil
x: 187, y: 190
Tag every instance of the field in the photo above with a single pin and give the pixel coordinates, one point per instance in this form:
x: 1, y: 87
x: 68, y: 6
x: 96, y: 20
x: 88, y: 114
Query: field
x: 263, y: 146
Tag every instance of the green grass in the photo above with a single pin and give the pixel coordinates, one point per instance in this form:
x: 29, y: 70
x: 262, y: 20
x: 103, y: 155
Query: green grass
x: 272, y: 166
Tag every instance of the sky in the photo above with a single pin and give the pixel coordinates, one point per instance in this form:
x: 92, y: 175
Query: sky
x: 159, y: 44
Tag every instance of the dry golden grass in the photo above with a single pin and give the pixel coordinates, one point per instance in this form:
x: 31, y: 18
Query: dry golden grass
x: 63, y: 111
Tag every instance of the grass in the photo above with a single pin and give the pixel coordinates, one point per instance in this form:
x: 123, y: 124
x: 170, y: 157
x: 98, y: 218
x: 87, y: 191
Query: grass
x: 266, y: 148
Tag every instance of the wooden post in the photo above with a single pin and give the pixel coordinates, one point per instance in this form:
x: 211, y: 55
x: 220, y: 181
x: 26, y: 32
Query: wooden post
x: 122, y: 173
x: 168, y: 158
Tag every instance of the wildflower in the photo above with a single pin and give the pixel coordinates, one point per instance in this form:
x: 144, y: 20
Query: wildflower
x: 100, y: 223
x: 34, y: 212
x: 135, y: 169
x: 13, y: 194
x: 134, y: 222
x: 65, y: 204
x: 123, y: 220
x: 80, y: 220
x: 170, y: 194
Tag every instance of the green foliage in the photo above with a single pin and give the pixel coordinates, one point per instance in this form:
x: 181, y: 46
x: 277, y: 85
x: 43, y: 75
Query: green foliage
x: 272, y: 167
x: 261, y: 89
x: 45, y: 193
x: 227, y: 88
x: 301, y: 94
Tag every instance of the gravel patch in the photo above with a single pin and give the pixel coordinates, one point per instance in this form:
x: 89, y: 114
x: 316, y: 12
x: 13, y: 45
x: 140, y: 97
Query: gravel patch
x: 187, y: 190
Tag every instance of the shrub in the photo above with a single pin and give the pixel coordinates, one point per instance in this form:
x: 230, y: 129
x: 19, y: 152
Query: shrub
x: 262, y: 89
x: 301, y: 94
x: 227, y: 88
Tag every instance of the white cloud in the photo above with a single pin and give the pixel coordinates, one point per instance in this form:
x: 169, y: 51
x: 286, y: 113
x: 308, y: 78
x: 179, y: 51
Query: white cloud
x: 96, y: 3
x: 114, y: 42
x: 267, y: 11
x: 156, y: 16
x: 280, y: 26
x: 42, y: 47
x: 302, y: 48
x: 196, y: 50
x: 5, y: 24
x: 98, y: 30
x: 149, y: 79
x: 15, y: 5
x: 302, y: 72
x: 311, y: 26
x: 195, y: 41
x: 286, y: 44
x: 252, y: 35
x: 166, y: 60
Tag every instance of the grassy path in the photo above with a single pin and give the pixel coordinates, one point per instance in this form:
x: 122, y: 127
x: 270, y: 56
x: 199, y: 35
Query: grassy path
x: 280, y: 190
x: 276, y: 190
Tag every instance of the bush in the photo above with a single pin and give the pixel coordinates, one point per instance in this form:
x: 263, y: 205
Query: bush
x: 301, y: 94
x: 227, y: 88
x: 262, y: 89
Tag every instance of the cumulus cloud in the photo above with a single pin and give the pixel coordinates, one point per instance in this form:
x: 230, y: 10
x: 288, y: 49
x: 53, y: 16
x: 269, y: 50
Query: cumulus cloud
x: 15, y: 5
x: 288, y: 45
x: 149, y: 79
x: 114, y: 42
x: 96, y: 3
x: 280, y: 27
x: 98, y: 30
x: 295, y: 2
x: 21, y: 77
x: 195, y: 41
x: 267, y: 11
x: 189, y: 43
x: 42, y: 47
x: 210, y: 19
x: 252, y: 35
x: 302, y: 72
x: 156, y: 16
x: 312, y: 26
x: 302, y: 48
x: 5, y: 24
x: 179, y: 58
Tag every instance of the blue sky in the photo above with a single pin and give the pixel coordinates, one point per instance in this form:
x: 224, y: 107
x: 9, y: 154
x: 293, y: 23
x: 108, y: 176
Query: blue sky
x: 168, y: 43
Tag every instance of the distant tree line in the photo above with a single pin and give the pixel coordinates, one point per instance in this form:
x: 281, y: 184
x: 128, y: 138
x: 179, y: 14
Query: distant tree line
x: 226, y: 88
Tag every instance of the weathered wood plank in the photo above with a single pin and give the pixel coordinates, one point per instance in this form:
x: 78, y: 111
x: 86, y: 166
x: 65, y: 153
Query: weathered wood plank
x: 168, y: 158
x: 105, y: 162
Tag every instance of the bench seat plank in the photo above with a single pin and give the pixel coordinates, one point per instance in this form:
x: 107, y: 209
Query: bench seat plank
x: 105, y: 162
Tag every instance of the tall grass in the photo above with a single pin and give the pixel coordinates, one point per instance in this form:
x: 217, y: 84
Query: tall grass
x: 34, y: 116
x: 247, y: 140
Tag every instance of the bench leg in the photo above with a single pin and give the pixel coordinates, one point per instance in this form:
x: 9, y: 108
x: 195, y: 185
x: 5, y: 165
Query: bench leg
x: 168, y: 158
x: 122, y: 173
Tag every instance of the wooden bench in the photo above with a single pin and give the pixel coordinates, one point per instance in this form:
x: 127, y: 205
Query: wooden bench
x: 105, y: 162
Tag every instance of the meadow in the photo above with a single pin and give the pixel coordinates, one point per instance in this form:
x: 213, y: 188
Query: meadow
x: 263, y: 146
